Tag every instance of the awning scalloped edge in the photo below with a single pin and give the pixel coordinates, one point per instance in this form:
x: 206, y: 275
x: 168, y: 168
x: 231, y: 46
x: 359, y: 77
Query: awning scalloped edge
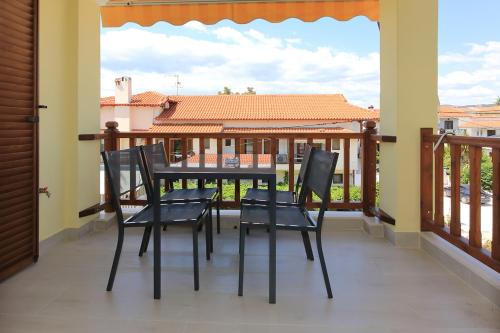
x: 211, y: 13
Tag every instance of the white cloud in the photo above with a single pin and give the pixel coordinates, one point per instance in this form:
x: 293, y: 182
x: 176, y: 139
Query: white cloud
x: 238, y: 60
x: 477, y: 81
x: 228, y: 57
x: 195, y: 25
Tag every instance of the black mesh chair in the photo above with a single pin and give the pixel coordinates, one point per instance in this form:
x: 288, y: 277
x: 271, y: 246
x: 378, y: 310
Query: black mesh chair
x: 283, y: 198
x: 125, y: 173
x: 156, y: 159
x: 318, y: 179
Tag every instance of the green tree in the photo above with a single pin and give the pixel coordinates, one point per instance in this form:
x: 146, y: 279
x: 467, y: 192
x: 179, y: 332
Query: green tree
x: 228, y: 91
x: 225, y: 91
x: 497, y: 102
x: 250, y: 91
x: 486, y: 173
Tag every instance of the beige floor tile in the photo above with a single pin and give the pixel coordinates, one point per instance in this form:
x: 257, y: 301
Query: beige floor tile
x: 377, y: 288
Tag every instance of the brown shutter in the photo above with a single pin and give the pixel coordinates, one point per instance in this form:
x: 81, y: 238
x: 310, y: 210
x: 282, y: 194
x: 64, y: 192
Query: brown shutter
x: 18, y: 135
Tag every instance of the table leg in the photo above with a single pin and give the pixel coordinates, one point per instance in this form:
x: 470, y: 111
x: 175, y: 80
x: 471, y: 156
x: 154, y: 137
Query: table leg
x: 272, y: 241
x: 157, y: 239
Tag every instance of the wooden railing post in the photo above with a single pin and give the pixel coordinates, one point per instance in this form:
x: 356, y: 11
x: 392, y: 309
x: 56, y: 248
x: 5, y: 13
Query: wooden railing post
x: 347, y: 167
x: 237, y: 151
x: 369, y: 168
x: 495, y: 242
x: 291, y: 164
x: 475, y: 154
x: 220, y: 153
x: 426, y: 170
x: 439, y: 185
x: 110, y: 143
x: 256, y: 143
x: 455, y: 226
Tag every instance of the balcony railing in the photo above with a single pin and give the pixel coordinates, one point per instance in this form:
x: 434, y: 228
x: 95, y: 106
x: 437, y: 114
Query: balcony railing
x: 432, y: 215
x: 366, y: 159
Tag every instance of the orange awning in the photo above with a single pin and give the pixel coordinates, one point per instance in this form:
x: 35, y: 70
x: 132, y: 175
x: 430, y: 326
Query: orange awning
x: 115, y: 13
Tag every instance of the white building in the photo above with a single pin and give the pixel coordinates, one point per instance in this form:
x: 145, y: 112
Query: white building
x: 478, y: 120
x: 241, y: 114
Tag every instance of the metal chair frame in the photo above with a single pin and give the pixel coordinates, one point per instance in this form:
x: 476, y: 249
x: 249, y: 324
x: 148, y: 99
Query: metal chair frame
x: 283, y: 198
x: 144, y: 218
x: 318, y: 180
x: 182, y: 195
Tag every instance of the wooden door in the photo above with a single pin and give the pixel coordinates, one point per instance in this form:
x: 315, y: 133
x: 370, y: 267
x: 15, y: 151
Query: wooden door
x: 18, y: 135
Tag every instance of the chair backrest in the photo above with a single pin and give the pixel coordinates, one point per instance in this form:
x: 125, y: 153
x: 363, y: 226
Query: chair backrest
x: 155, y: 158
x: 124, y: 175
x: 303, y: 170
x: 319, y: 179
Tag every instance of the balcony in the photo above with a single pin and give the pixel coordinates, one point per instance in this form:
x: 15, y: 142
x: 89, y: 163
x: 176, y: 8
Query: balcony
x: 424, y: 273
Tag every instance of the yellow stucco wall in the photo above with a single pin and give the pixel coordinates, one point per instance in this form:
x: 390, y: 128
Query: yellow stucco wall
x: 69, y: 86
x: 409, y: 102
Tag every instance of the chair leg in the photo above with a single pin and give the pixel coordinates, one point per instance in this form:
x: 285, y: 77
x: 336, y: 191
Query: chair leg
x: 323, y: 264
x: 116, y: 258
x: 218, y: 212
x: 148, y: 239
x: 242, y: 259
x: 195, y: 258
x: 210, y: 223
x: 207, y: 237
x: 307, y: 245
x: 145, y: 241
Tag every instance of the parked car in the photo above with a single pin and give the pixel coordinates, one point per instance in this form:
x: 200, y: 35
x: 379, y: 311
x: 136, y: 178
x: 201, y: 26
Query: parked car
x: 465, y: 194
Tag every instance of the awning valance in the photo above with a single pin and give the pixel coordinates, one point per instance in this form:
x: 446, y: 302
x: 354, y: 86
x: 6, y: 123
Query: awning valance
x: 115, y: 13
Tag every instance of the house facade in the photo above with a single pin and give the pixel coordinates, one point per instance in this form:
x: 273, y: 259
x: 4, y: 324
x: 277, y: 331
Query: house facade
x: 476, y: 120
x: 240, y: 114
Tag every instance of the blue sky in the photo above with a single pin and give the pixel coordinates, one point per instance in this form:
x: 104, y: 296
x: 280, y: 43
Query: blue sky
x: 326, y: 56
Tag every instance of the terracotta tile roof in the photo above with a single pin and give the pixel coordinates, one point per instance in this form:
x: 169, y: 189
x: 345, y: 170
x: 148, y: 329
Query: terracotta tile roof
x: 148, y: 98
x: 448, y: 111
x: 245, y: 159
x: 479, y: 111
x: 218, y: 128
x: 264, y: 107
x: 187, y: 128
x: 484, y: 108
x: 281, y: 130
x: 481, y: 124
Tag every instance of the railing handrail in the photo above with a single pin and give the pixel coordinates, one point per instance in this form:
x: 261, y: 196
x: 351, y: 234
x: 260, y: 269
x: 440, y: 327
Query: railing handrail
x: 476, y: 141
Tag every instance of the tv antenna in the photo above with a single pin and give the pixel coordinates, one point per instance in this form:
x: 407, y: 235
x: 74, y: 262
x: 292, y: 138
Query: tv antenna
x: 177, y: 83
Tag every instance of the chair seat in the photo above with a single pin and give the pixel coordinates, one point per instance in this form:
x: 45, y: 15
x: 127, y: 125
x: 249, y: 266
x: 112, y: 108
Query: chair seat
x: 174, y: 213
x: 257, y: 195
x: 287, y: 217
x: 195, y: 194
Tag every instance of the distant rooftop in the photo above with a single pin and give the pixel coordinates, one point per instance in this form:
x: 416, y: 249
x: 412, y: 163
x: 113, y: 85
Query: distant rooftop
x: 327, y: 107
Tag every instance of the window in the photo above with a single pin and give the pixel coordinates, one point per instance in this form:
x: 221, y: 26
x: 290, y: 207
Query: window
x: 248, y: 146
x: 176, y: 146
x: 227, y: 142
x: 335, y: 144
x: 491, y: 132
x: 338, y: 178
x: 448, y: 124
x: 207, y: 143
x: 267, y: 146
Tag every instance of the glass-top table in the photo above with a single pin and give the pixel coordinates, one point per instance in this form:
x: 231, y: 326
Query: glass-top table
x: 218, y: 166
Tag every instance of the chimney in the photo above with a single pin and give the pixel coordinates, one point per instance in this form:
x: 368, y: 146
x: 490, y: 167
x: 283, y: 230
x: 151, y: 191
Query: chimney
x: 123, y: 90
x: 371, y: 108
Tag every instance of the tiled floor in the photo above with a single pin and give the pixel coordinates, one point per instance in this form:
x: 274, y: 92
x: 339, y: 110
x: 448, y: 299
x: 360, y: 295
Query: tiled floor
x: 377, y: 288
